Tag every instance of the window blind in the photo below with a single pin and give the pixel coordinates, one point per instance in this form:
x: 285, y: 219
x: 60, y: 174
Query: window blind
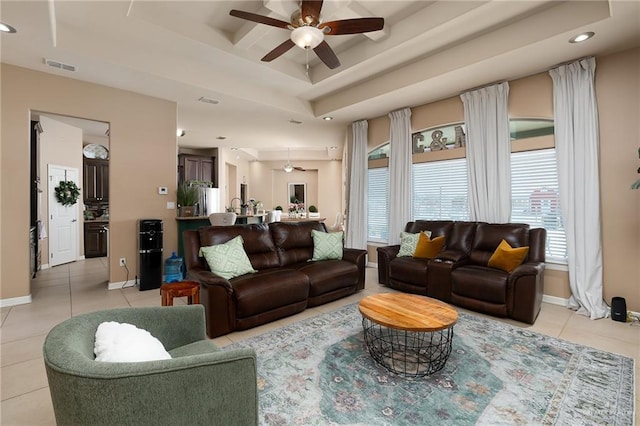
x: 440, y: 190
x: 378, y: 202
x: 535, y: 198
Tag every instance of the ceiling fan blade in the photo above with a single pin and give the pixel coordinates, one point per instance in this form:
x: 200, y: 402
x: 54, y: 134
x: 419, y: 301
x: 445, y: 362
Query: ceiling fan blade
x: 300, y: 169
x: 352, y: 26
x: 259, y: 18
x: 281, y: 49
x: 326, y: 54
x: 310, y: 11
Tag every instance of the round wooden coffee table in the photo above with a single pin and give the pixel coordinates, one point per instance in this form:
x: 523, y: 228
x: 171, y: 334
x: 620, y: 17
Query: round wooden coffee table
x: 408, y: 334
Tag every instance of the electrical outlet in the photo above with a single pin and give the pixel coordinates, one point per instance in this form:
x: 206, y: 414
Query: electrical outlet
x: 123, y: 261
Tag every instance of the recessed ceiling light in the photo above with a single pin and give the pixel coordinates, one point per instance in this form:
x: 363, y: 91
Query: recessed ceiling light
x: 327, y: 118
x: 208, y: 100
x: 221, y: 137
x: 333, y: 147
x: 581, y: 37
x: 6, y: 28
x: 233, y: 149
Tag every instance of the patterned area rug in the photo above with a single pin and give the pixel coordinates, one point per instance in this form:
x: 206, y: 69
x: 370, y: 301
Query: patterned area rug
x: 318, y: 372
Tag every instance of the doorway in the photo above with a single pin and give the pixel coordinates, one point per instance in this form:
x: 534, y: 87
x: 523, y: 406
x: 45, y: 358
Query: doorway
x: 61, y: 142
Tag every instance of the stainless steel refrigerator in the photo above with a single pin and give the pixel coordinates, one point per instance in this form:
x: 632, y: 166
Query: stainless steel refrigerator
x: 208, y: 202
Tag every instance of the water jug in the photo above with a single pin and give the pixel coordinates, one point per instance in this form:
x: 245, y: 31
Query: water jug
x: 173, y: 268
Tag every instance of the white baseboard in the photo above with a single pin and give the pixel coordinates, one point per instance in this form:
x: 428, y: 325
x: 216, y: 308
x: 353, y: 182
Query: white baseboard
x: 554, y: 300
x: 118, y: 285
x: 22, y: 300
x: 45, y: 266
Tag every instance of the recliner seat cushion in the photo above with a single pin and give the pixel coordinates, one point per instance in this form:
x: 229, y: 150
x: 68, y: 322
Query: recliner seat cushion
x: 409, y: 270
x: 481, y: 283
x: 269, y: 289
x: 329, y: 275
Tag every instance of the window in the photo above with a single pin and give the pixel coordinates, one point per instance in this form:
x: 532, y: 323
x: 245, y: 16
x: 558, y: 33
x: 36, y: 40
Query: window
x: 535, y: 198
x: 440, y: 190
x: 378, y: 204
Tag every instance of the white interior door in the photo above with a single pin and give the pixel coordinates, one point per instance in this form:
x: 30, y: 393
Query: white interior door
x: 63, y: 220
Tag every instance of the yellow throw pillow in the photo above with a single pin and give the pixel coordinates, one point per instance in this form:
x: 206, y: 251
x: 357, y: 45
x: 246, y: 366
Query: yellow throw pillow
x: 507, y: 258
x: 428, y: 249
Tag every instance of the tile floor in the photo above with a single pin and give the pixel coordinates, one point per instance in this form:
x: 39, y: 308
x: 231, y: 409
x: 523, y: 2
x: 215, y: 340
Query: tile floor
x: 79, y: 287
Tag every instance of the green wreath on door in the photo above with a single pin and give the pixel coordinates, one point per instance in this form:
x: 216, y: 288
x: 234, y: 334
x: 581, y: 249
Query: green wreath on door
x: 67, y: 193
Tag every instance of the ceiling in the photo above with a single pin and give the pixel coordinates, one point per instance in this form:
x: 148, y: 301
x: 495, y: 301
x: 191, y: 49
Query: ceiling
x: 183, y: 50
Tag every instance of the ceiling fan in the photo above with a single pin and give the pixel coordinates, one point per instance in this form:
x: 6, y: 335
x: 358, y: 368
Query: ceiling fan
x: 288, y: 168
x: 308, y: 30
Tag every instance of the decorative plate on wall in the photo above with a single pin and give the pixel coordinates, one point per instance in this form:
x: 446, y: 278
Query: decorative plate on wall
x: 94, y: 150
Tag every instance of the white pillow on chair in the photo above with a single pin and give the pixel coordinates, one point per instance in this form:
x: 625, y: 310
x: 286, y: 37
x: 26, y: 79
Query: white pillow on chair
x: 118, y: 342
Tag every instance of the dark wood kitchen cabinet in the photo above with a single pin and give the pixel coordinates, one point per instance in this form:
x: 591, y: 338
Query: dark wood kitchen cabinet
x: 96, y: 181
x: 96, y: 239
x: 195, y: 167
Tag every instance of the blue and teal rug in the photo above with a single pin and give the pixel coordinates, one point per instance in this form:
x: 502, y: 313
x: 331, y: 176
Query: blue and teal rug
x: 318, y: 372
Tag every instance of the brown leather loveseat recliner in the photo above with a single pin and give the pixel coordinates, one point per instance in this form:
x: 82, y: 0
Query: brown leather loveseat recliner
x: 286, y: 282
x: 460, y: 275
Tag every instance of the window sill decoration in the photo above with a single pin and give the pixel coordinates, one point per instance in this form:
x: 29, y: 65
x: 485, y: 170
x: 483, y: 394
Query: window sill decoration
x: 67, y: 193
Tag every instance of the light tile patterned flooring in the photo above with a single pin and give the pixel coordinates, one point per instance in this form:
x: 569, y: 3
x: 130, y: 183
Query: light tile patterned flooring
x: 80, y: 287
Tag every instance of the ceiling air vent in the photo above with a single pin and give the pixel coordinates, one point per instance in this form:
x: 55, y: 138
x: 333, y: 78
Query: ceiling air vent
x: 60, y: 65
x: 208, y: 100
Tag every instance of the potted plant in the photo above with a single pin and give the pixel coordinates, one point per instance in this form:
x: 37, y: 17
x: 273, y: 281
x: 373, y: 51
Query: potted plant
x: 187, y: 197
x: 313, y: 212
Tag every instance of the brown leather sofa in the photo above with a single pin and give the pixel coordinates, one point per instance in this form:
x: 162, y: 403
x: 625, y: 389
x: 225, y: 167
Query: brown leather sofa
x: 460, y: 275
x: 286, y: 282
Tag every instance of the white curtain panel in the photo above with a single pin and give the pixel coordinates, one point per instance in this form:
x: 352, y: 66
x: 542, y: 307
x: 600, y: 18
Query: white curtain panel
x: 488, y: 153
x: 576, y: 136
x: 356, y: 236
x: 400, y: 165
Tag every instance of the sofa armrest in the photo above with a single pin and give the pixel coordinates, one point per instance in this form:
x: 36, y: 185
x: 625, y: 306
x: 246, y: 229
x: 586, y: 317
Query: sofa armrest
x: 359, y: 258
x: 217, y: 296
x: 206, y: 277
x: 525, y: 289
x: 386, y: 255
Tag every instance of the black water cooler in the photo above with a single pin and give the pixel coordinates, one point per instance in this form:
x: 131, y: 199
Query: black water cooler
x: 150, y: 252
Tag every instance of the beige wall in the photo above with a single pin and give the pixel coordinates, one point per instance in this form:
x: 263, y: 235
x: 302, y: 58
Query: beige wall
x: 142, y: 158
x: 618, y: 94
x: 269, y: 184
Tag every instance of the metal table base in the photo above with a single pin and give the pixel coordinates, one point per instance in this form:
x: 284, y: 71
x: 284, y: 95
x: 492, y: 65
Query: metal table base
x: 408, y: 353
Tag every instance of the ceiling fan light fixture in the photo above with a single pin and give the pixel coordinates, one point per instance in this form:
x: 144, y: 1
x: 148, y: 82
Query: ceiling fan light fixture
x: 307, y: 37
x: 288, y: 168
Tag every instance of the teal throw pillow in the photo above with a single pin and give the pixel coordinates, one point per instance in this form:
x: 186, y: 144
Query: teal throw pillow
x: 408, y: 243
x: 326, y: 245
x: 229, y: 260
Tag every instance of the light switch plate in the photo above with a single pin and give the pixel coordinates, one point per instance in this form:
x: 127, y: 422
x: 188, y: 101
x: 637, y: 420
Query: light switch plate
x: 171, y: 205
x: 162, y: 190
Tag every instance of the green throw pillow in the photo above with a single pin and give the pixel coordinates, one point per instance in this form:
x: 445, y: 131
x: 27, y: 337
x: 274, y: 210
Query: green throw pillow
x: 229, y: 260
x: 326, y: 245
x: 408, y: 243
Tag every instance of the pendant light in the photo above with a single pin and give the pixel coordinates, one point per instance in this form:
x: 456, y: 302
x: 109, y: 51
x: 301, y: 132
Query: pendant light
x: 288, y: 167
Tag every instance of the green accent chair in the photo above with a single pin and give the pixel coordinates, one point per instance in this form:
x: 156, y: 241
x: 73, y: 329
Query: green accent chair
x: 200, y: 385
